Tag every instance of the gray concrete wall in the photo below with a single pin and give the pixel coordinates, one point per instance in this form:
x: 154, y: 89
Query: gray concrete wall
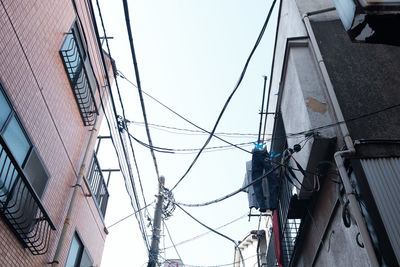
x: 365, y: 78
x: 327, y: 241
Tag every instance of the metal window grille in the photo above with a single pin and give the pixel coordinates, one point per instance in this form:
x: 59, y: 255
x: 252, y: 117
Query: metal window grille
x: 289, y: 227
x: 98, y: 185
x: 21, y: 206
x: 80, y: 75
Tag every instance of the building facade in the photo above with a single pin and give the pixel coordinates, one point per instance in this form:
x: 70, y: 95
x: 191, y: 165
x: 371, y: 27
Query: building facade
x: 337, y: 129
x: 253, y: 248
x: 53, y: 76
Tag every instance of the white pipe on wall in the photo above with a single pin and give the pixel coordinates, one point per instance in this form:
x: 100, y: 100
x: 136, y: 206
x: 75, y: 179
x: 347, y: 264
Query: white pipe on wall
x: 353, y: 202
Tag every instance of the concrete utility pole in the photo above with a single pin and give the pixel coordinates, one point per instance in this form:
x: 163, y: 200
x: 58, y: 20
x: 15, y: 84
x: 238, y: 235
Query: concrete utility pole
x: 153, y: 255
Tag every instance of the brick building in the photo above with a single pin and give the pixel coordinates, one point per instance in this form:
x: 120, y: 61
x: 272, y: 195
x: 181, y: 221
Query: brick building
x: 53, y: 87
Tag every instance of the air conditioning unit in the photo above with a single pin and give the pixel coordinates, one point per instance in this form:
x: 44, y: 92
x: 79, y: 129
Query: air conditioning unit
x: 371, y: 21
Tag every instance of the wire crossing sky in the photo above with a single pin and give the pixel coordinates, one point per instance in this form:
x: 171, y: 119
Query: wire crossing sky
x: 231, y: 95
x: 189, y: 54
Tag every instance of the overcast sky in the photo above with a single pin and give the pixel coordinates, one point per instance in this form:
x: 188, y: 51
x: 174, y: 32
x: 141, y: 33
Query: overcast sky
x: 190, y: 54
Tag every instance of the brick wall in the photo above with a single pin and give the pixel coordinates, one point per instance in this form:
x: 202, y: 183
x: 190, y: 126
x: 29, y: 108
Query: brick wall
x: 31, y: 34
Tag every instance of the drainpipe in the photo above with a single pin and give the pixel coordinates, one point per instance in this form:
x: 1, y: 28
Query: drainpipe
x: 353, y: 203
x: 81, y: 178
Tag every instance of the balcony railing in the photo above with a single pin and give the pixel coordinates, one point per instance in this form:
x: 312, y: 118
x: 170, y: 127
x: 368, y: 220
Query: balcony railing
x: 21, y: 207
x: 98, y: 185
x: 289, y: 224
x: 80, y: 78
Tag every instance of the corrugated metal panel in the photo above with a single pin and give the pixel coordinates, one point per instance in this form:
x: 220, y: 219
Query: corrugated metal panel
x: 383, y: 175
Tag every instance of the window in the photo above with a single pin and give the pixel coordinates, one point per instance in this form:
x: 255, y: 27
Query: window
x: 78, y: 255
x: 23, y: 179
x: 98, y: 185
x: 15, y: 138
x: 80, y: 73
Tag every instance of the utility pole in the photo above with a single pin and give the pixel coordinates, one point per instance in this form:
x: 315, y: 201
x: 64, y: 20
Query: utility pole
x: 154, y: 249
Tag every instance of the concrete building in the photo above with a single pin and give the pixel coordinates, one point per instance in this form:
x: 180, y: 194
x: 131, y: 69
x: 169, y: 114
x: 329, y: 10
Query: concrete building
x: 53, y: 86
x: 338, y: 106
x: 253, y: 247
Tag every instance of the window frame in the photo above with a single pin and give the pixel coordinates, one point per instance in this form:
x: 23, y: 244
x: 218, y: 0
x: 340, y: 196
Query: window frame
x: 83, y: 81
x: 81, y: 251
x: 26, y: 216
x: 32, y: 149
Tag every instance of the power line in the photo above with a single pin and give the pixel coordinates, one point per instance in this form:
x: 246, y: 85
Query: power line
x: 177, y: 114
x: 170, y: 238
x: 229, y: 195
x: 205, y: 233
x: 314, y: 131
x: 191, y: 131
x: 133, y: 213
x: 365, y: 115
x: 140, y: 219
x: 183, y: 150
x: 213, y: 230
x: 120, y: 100
x: 129, y: 30
x: 231, y: 95
x: 307, y: 133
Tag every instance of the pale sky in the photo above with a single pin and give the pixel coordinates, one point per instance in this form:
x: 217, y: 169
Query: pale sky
x: 190, y: 54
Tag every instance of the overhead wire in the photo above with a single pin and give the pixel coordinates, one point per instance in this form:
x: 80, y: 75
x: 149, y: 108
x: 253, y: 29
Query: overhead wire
x: 278, y: 165
x: 230, y: 96
x: 130, y: 142
x: 192, y: 131
x: 362, y: 116
x: 205, y: 233
x: 315, y: 131
x: 183, y: 150
x: 213, y: 230
x: 172, y: 242
x: 114, y: 110
x: 107, y: 86
x: 177, y: 114
x: 231, y: 194
x: 271, y: 76
x: 133, y: 54
x: 120, y: 100
x: 128, y: 216
x: 334, y: 124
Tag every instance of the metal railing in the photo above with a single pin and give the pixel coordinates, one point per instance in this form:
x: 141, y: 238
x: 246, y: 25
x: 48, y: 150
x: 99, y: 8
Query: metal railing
x: 21, y: 207
x: 289, y: 227
x: 98, y: 185
x: 79, y: 79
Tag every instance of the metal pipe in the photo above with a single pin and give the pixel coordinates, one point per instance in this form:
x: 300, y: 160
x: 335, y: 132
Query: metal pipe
x: 262, y: 110
x: 327, y: 80
x: 266, y: 112
x: 88, y: 152
x: 354, y: 205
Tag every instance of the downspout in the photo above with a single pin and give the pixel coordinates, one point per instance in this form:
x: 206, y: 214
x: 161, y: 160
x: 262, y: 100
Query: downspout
x: 339, y: 156
x: 81, y: 178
